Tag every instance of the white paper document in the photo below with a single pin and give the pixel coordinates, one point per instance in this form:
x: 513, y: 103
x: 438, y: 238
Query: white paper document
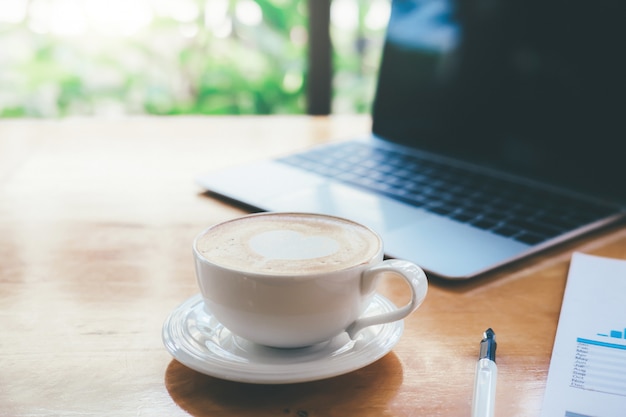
x: 587, y: 376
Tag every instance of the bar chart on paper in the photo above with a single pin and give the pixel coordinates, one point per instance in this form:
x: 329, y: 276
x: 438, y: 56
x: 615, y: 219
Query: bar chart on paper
x: 587, y: 375
x: 600, y: 363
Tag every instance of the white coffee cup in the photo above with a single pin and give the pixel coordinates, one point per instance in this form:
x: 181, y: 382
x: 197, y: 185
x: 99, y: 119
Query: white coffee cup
x: 296, y: 279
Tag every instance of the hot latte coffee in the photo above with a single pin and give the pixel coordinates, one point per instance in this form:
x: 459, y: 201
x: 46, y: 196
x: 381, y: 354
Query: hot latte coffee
x: 288, y: 244
x: 290, y: 280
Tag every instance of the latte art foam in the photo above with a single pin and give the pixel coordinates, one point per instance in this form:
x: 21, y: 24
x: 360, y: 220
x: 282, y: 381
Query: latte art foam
x: 288, y: 244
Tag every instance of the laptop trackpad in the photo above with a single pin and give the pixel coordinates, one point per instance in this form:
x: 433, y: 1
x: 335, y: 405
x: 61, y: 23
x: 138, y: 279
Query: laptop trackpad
x: 433, y: 242
x: 452, y: 249
x: 380, y: 214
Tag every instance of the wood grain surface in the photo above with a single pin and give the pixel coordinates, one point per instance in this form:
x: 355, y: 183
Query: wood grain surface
x: 96, y: 222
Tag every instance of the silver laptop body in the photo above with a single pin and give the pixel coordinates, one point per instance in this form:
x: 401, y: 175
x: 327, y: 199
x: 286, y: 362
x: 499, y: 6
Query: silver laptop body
x: 470, y: 99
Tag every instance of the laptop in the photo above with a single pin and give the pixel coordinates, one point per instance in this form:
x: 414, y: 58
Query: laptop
x: 497, y: 133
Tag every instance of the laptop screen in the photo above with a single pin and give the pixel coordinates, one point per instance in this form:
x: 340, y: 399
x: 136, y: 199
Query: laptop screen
x: 536, y: 87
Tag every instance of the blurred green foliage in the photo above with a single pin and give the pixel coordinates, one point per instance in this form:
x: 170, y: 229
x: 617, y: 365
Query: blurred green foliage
x: 177, y: 57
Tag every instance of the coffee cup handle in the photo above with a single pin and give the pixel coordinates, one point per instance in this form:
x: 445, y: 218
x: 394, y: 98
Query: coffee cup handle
x: 412, y: 274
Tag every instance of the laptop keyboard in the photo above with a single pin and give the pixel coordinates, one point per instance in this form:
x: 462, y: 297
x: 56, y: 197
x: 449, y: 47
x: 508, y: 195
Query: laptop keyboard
x: 502, y: 207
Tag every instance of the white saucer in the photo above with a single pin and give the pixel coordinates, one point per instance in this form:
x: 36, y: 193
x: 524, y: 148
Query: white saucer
x: 196, y: 339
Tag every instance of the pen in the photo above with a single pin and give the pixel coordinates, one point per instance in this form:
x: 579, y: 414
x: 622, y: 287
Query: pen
x: 486, y: 376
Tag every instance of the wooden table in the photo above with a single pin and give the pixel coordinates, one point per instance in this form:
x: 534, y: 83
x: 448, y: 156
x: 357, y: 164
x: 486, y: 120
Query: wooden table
x: 96, y: 223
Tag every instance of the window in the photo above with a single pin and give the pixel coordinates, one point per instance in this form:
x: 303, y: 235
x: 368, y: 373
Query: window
x: 109, y: 57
